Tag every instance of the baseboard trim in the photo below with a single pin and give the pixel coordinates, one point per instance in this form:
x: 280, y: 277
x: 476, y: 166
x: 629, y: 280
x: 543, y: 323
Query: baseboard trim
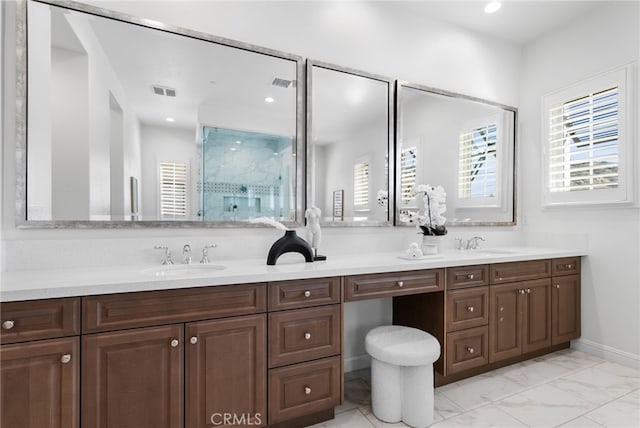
x: 358, y: 362
x: 607, y: 352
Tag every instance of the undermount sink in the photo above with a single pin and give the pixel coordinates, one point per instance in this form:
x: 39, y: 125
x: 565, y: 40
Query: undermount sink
x: 183, y: 270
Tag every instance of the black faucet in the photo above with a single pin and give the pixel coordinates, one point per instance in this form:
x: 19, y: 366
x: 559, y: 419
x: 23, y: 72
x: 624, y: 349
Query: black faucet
x: 290, y: 243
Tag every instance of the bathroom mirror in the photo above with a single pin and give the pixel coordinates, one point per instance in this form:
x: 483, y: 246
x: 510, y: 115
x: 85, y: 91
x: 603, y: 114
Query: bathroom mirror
x: 349, y: 145
x: 464, y: 144
x: 129, y: 122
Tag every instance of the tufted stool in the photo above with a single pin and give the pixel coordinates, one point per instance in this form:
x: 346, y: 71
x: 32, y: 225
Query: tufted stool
x: 402, y: 374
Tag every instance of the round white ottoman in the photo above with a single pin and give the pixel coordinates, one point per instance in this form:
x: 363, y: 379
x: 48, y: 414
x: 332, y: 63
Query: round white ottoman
x: 402, y: 374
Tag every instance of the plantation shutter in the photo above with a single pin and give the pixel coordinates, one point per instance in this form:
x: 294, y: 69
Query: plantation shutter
x: 477, y: 163
x: 408, y: 160
x: 361, y: 184
x: 583, y: 143
x: 173, y: 189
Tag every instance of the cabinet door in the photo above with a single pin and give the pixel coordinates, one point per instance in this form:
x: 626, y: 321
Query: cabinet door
x: 505, y: 325
x: 565, y: 308
x: 39, y: 387
x: 226, y: 372
x: 133, y: 378
x: 536, y: 315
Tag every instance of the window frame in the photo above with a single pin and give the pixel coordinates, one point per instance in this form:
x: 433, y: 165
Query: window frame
x: 623, y: 78
x: 187, y: 198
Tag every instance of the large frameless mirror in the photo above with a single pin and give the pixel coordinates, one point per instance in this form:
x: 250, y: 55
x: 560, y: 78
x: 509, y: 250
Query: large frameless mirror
x: 464, y: 144
x: 131, y: 122
x: 349, y: 145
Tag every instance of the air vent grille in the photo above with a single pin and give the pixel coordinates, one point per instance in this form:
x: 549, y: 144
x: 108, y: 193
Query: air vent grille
x: 281, y: 83
x: 164, y: 91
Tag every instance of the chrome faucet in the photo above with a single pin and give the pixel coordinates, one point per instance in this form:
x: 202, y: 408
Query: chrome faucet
x: 469, y: 244
x: 186, y: 254
x: 167, y: 254
x: 205, y: 253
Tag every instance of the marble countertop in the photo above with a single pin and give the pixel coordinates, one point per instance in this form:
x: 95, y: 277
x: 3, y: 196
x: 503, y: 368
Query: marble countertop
x: 51, y: 283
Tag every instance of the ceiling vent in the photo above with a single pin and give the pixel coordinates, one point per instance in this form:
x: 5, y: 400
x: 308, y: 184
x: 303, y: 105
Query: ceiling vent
x: 281, y: 83
x: 164, y: 91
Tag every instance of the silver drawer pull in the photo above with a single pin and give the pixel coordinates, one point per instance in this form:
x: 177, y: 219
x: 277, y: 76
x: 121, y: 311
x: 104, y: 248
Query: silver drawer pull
x: 470, y: 350
x: 528, y: 291
x: 65, y: 358
x: 470, y: 276
x: 307, y: 390
x: 193, y: 340
x: 400, y: 284
x: 307, y: 336
x: 521, y: 291
x: 470, y: 308
x: 307, y: 293
x: 569, y: 266
x: 8, y: 324
x: 557, y: 285
x: 175, y: 343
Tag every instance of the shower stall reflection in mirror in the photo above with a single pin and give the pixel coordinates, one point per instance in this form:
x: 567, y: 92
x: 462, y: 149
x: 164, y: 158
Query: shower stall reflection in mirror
x: 244, y: 175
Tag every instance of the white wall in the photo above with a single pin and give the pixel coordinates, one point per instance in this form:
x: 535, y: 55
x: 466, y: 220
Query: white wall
x: 610, y: 274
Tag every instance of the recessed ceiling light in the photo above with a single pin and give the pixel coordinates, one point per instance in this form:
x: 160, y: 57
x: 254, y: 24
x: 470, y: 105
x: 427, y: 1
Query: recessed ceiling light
x: 238, y: 142
x: 492, y: 7
x: 170, y: 119
x: 275, y: 153
x: 233, y: 149
x: 269, y: 100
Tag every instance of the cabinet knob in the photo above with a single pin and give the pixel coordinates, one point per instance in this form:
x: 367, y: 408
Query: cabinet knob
x: 528, y: 291
x: 307, y: 293
x: 65, y: 358
x: 470, y: 350
x: 569, y: 266
x: 470, y: 308
x: 501, y: 319
x: 470, y: 276
x: 193, y: 340
x: 8, y: 324
x: 307, y: 390
x: 174, y: 343
x: 501, y: 308
x: 557, y: 285
x: 400, y: 284
x: 307, y: 336
x: 521, y: 291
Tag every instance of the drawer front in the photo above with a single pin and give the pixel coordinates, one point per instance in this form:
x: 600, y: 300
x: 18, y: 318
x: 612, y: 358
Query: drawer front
x: 304, y: 334
x: 520, y: 271
x: 373, y: 286
x: 127, y: 310
x: 467, y: 276
x: 39, y: 319
x: 303, y: 293
x: 302, y: 389
x: 467, y: 308
x: 467, y: 349
x: 565, y: 266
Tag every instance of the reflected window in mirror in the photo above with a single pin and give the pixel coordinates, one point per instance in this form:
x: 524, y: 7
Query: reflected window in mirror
x: 173, y: 190
x: 348, y: 143
x: 463, y: 144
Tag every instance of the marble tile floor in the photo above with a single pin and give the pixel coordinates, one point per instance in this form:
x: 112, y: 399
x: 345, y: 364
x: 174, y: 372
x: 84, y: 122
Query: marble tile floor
x: 564, y: 389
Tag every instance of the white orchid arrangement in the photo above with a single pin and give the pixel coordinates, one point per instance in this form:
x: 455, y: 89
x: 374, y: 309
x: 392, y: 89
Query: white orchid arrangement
x: 431, y: 201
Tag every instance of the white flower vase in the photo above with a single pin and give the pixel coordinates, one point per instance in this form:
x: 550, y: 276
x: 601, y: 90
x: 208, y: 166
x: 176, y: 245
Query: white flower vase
x: 431, y: 244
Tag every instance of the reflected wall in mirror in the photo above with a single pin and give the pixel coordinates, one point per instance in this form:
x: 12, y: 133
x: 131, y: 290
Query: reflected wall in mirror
x: 466, y: 145
x: 349, y: 145
x: 207, y: 126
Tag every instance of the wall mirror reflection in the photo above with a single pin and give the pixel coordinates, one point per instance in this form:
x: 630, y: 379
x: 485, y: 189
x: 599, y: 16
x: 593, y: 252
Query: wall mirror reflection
x: 464, y: 144
x: 349, y: 145
x: 207, y: 128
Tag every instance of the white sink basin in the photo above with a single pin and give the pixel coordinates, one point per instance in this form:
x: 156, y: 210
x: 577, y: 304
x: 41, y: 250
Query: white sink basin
x: 183, y: 270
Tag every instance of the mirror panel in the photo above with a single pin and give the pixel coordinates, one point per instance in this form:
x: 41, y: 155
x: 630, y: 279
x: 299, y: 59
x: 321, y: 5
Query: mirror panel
x: 131, y: 121
x: 466, y: 145
x: 349, y: 144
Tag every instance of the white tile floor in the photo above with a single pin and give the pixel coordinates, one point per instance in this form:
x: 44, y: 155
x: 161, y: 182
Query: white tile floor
x: 564, y: 389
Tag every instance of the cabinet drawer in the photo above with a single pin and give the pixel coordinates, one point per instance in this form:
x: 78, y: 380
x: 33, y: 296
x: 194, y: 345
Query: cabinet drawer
x: 467, y: 349
x: 39, y: 319
x: 467, y: 276
x: 373, y: 286
x: 520, y: 271
x: 467, y: 308
x: 565, y: 266
x: 302, y: 389
x: 127, y: 310
x: 303, y: 293
x: 304, y: 334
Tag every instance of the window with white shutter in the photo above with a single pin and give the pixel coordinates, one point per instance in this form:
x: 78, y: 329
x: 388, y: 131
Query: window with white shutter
x: 586, y: 155
x: 408, y: 161
x: 361, y: 185
x: 173, y: 189
x: 478, y: 163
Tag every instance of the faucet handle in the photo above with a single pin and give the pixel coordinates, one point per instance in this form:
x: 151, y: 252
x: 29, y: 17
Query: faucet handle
x: 205, y: 253
x: 460, y: 243
x: 167, y: 254
x: 473, y: 242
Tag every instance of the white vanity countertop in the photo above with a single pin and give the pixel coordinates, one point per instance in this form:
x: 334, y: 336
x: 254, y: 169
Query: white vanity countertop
x: 41, y: 284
